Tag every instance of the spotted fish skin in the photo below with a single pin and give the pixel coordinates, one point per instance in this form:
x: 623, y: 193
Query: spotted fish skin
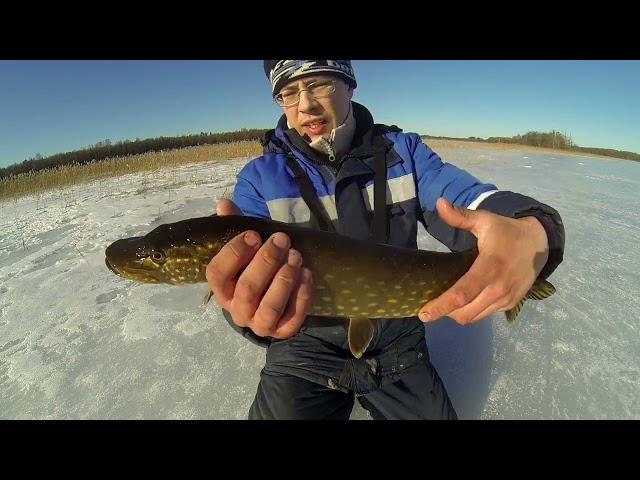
x: 353, y: 278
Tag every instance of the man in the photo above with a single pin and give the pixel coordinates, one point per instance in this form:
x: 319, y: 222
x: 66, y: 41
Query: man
x: 328, y: 166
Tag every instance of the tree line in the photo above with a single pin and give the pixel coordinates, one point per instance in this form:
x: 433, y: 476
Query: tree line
x: 106, y: 149
x: 552, y: 139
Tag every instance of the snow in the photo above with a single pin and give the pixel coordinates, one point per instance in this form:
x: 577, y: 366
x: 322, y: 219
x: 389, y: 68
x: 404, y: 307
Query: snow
x: 77, y: 341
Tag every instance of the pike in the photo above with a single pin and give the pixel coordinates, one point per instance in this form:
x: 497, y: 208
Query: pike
x: 358, y: 280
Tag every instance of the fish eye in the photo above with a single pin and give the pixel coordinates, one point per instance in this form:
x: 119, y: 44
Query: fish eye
x: 158, y: 256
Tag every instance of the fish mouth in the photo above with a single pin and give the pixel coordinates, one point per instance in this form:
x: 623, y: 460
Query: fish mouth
x: 143, y: 275
x: 122, y: 253
x: 124, y: 270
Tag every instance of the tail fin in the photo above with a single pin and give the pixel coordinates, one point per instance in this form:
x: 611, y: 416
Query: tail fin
x: 539, y: 291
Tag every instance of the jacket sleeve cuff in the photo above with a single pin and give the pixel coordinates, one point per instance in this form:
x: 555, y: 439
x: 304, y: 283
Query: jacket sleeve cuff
x: 515, y: 205
x: 246, y: 332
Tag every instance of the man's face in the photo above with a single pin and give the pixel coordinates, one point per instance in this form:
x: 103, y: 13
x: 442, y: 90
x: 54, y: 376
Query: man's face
x: 316, y: 117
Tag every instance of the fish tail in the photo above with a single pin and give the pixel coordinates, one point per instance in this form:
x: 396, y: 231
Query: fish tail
x: 539, y: 291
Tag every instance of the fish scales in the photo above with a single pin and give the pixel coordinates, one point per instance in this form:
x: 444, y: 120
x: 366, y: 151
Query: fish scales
x: 352, y: 277
x: 358, y: 280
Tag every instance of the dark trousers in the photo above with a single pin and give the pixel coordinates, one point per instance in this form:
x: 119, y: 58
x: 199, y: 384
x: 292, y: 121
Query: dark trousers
x: 308, y: 379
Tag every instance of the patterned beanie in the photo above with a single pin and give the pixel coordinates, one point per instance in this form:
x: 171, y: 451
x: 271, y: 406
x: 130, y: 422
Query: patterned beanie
x: 281, y: 72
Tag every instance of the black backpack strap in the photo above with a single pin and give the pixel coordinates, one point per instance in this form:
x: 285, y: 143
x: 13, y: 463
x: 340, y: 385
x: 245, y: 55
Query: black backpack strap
x: 379, y: 226
x: 309, y: 196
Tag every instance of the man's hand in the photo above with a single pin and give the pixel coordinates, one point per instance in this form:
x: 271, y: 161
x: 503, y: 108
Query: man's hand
x: 512, y: 253
x: 263, y: 286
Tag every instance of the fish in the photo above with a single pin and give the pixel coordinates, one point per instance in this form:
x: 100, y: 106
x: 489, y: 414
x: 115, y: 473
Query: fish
x: 357, y: 280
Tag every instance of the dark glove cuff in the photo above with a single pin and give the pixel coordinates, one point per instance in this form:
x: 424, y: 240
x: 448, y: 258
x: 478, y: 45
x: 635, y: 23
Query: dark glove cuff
x: 246, y: 332
x: 515, y: 205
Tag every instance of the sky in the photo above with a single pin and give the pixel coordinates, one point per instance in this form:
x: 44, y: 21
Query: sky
x: 54, y: 106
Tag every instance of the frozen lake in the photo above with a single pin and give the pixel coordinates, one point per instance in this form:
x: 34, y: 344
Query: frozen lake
x: 77, y: 341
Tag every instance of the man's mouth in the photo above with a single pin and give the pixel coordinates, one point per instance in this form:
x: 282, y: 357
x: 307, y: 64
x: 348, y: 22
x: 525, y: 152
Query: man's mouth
x: 315, y: 128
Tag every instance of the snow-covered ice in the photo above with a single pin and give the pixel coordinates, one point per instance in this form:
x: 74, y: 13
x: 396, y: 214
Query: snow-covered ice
x: 77, y: 341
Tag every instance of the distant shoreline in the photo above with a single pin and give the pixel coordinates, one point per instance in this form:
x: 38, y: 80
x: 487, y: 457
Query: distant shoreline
x: 52, y: 179
x: 446, y: 144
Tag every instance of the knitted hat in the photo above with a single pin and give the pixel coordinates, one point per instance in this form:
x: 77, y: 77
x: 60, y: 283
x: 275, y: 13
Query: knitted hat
x: 281, y: 72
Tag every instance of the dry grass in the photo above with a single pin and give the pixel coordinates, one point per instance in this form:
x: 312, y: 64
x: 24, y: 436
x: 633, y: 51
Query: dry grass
x: 50, y: 179
x: 437, y: 144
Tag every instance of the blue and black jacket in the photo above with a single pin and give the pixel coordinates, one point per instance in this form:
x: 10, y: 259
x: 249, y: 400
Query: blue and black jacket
x: 272, y: 187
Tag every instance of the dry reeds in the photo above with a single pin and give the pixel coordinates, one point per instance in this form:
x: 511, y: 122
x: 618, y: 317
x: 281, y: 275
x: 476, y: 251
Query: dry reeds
x: 50, y: 179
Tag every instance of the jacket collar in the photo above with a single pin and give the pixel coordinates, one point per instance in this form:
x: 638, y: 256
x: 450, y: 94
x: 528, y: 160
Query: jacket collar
x: 360, y: 156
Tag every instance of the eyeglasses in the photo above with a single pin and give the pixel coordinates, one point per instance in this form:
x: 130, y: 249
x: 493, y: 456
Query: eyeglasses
x: 319, y: 89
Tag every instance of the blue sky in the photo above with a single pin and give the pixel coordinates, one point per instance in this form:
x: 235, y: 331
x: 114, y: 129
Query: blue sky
x: 48, y: 107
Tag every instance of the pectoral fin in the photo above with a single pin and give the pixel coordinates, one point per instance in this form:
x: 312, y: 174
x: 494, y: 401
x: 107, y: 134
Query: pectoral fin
x: 361, y: 332
x: 539, y: 291
x: 207, y: 297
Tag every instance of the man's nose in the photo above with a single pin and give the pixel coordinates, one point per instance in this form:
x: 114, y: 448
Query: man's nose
x: 307, y: 102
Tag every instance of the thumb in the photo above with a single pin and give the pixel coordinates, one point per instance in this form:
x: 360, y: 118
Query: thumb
x: 457, y: 217
x: 227, y: 207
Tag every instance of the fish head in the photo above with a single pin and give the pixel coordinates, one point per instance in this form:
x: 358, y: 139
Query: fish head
x: 167, y: 254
